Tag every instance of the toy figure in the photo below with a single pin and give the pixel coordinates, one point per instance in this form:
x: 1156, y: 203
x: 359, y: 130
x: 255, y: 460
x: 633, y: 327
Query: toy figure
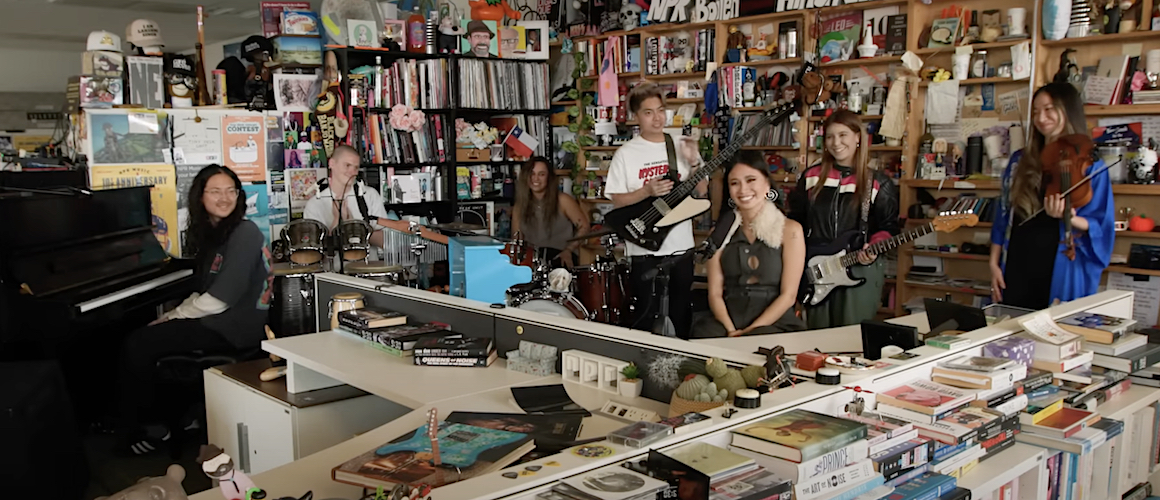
x: 492, y: 10
x: 630, y: 16
x: 167, y: 487
x: 763, y: 48
x: 736, y: 45
x: 450, y: 29
x: 259, y: 82
x: 216, y: 464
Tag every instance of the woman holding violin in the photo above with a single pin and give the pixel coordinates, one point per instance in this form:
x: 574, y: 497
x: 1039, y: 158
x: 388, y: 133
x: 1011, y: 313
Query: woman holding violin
x: 1048, y: 244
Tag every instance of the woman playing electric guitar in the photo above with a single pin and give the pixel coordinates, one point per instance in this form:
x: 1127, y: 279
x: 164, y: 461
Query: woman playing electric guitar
x: 832, y: 203
x: 1035, y: 258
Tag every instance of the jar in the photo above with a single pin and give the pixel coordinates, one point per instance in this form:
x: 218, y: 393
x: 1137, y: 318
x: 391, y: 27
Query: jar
x: 345, y: 301
x: 979, y: 64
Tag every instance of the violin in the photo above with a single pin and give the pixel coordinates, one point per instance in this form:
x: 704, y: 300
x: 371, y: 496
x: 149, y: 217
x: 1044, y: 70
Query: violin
x: 1064, y: 163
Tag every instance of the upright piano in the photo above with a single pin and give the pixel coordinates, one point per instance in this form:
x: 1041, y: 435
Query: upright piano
x: 78, y: 260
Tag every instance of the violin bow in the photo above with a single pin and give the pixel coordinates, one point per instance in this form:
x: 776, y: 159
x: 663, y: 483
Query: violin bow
x: 1081, y: 182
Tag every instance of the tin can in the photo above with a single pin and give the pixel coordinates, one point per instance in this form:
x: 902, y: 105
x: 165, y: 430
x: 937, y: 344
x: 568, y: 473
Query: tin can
x: 219, y: 86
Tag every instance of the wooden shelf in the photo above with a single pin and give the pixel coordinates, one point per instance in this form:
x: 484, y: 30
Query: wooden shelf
x: 1132, y: 270
x: 696, y: 75
x: 924, y: 221
x: 1140, y: 189
x: 1121, y: 109
x: 628, y: 74
x: 949, y: 255
x: 963, y: 185
x: 599, y: 148
x: 862, y: 62
x: 760, y: 18
x: 684, y: 100
x: 769, y: 148
x: 564, y: 103
x: 670, y: 27
x: 873, y: 4
x: 974, y: 46
x: 1087, y: 40
x: 768, y: 62
x: 946, y: 288
x: 865, y: 118
x: 1137, y: 234
x: 981, y: 81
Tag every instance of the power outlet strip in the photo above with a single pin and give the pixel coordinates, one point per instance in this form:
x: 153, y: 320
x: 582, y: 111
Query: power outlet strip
x: 628, y: 412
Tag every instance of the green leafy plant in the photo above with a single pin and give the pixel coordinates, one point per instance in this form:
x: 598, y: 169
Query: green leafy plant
x: 630, y: 372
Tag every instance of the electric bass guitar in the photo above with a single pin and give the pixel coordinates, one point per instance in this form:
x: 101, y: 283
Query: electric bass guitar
x: 828, y: 267
x: 647, y: 222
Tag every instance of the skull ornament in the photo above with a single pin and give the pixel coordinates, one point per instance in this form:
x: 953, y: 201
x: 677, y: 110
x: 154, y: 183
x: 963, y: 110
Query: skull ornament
x: 630, y: 16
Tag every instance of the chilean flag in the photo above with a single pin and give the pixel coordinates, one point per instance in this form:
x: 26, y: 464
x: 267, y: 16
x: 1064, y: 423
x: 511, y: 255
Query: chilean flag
x: 522, y: 143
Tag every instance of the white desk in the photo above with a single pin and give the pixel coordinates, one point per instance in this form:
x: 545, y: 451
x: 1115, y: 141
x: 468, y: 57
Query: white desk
x: 328, y: 359
x: 832, y: 340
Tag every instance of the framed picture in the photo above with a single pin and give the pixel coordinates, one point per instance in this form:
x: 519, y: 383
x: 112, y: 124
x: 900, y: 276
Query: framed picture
x: 535, y: 39
x: 511, y: 42
x: 480, y: 40
x: 396, y: 30
x: 362, y: 33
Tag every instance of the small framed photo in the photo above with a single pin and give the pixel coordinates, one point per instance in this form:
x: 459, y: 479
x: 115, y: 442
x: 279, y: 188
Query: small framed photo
x: 362, y: 33
x: 535, y: 39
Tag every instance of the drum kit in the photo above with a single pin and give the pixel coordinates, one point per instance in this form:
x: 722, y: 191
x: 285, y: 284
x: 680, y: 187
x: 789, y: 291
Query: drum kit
x: 600, y: 292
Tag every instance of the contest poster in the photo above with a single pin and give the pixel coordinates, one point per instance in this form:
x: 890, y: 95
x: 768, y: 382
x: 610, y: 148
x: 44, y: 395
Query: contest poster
x: 244, y: 146
x: 164, y: 191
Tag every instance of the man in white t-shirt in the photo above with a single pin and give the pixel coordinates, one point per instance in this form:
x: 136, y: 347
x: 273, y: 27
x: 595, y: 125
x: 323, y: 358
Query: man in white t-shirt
x: 326, y: 208
x: 639, y: 170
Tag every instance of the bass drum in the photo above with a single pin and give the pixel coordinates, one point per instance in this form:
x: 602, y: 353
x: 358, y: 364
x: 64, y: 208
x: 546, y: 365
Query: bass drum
x: 551, y: 303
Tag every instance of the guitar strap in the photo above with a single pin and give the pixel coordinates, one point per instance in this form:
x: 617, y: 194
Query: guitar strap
x: 864, y: 224
x: 671, y: 150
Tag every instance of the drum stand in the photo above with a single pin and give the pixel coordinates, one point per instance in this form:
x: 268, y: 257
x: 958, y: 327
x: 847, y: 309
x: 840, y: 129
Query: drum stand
x: 663, y: 324
x: 417, y: 249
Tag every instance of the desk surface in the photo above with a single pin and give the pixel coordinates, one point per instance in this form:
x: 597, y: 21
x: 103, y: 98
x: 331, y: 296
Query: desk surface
x: 842, y: 339
x: 354, y: 361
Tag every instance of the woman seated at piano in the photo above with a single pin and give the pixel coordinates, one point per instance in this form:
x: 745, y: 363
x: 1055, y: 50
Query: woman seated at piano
x: 1027, y: 239
x: 546, y: 217
x: 754, y: 276
x: 225, y: 315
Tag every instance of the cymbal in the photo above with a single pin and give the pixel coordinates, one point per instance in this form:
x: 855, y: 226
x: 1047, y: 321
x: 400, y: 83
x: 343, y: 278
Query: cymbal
x: 596, y: 234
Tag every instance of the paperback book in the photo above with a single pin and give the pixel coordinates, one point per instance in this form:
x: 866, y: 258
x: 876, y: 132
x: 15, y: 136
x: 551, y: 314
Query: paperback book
x: 799, y: 435
x: 925, y: 396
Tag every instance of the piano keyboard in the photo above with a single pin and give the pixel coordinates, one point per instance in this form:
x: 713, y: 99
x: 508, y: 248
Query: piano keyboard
x: 137, y: 289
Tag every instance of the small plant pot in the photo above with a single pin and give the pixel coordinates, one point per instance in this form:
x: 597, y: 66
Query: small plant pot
x: 630, y: 388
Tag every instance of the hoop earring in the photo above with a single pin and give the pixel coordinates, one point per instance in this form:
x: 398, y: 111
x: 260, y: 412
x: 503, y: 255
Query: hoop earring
x: 732, y: 204
x: 771, y: 195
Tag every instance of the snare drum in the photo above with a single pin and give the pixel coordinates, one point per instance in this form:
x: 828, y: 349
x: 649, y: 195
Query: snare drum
x: 376, y: 270
x: 339, y: 302
x: 353, y: 238
x: 292, y: 306
x: 563, y: 305
x: 306, y: 239
x: 602, y: 291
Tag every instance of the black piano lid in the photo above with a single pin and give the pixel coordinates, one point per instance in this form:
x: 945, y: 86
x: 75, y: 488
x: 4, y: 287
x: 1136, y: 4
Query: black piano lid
x: 52, y: 243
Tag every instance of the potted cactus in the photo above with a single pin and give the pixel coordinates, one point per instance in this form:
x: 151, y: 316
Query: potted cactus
x: 631, y: 385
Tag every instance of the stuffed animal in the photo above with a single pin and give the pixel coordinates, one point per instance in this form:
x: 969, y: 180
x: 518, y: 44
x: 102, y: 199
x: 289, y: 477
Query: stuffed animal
x: 816, y: 88
x: 991, y: 26
x: 726, y: 378
x: 216, y: 464
x: 167, y: 487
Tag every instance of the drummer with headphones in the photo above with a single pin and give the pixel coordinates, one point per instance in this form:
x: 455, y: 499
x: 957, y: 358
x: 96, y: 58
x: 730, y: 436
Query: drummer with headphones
x: 357, y: 201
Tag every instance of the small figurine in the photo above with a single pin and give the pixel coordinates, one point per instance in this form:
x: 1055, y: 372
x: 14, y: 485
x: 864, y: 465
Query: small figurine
x: 259, y: 81
x: 215, y: 463
x: 492, y: 10
x: 450, y: 29
x: 630, y: 16
x: 763, y: 48
x: 736, y: 45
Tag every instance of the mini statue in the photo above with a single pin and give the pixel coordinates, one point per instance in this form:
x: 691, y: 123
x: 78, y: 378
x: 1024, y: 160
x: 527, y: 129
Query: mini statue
x: 736, y: 45
x: 450, y: 29
x: 215, y: 463
x: 259, y: 81
x: 630, y: 16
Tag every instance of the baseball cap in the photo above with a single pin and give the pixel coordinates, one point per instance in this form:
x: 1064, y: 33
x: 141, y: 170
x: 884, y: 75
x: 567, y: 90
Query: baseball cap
x: 144, y: 33
x: 256, y: 44
x: 179, y: 64
x: 104, y: 40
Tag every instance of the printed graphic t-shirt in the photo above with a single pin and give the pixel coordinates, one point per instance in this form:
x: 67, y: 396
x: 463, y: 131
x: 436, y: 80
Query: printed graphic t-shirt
x: 634, y: 163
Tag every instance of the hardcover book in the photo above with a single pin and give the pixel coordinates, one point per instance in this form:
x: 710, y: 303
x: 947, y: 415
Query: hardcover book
x: 561, y: 427
x: 614, y: 483
x: 461, y: 361
x: 1097, y: 328
x: 925, y: 396
x: 465, y: 451
x: 1062, y: 424
x: 977, y: 364
x: 454, y: 347
x: 799, y: 435
x: 713, y: 461
x: 369, y: 317
x: 756, y: 485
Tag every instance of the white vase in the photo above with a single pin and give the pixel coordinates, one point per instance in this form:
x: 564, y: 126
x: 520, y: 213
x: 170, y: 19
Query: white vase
x: 630, y: 388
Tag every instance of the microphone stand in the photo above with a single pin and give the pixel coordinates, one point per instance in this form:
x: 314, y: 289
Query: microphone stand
x: 417, y: 249
x: 663, y: 324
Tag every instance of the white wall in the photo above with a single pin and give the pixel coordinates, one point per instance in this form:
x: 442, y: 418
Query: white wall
x: 37, y: 70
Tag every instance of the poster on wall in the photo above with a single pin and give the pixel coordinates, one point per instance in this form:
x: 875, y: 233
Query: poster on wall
x: 164, y: 195
x: 197, y: 140
x: 303, y: 184
x: 258, y: 207
x: 134, y: 137
x: 244, y: 146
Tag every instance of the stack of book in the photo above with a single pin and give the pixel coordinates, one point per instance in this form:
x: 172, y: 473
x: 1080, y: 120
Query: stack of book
x: 455, y: 351
x: 382, y: 143
x: 825, y: 457
x: 411, y: 82
x: 1060, y: 352
x: 388, y: 331
x: 1113, y: 343
x: 498, y: 84
x: 608, y: 483
x: 719, y: 464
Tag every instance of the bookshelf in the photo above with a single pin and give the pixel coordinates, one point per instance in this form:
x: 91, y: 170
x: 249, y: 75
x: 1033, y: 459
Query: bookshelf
x: 455, y: 72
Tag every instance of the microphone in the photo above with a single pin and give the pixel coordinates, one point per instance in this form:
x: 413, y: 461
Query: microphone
x: 716, y: 238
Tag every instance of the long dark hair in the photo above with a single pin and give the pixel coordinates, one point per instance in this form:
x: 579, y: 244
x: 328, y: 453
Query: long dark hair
x: 201, y: 235
x: 1028, y: 173
x: 861, y: 161
x: 524, y: 192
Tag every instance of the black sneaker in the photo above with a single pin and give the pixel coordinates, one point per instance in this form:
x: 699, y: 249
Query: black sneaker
x: 148, y: 443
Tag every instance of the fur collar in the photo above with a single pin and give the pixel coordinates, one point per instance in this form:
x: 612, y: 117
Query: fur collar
x: 769, y: 226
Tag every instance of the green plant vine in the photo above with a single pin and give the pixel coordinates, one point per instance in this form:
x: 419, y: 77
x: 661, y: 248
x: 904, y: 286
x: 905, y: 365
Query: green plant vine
x: 578, y: 122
